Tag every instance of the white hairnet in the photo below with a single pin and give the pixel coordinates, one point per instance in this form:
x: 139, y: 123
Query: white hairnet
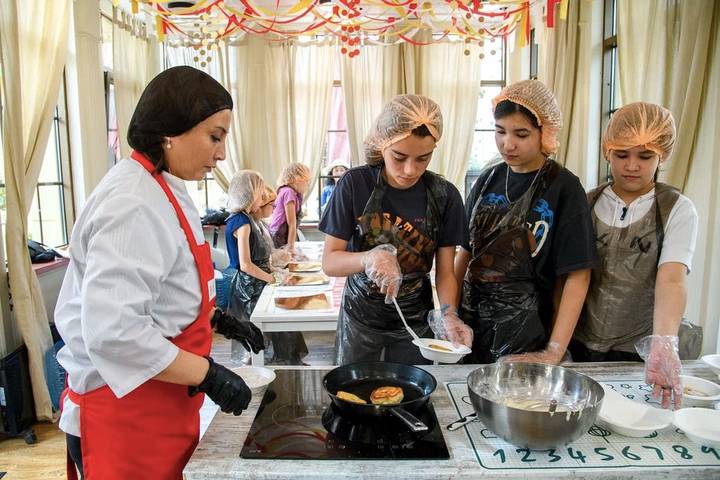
x: 245, y: 187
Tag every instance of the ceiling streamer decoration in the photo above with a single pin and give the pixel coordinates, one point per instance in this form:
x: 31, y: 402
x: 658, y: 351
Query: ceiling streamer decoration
x: 351, y: 24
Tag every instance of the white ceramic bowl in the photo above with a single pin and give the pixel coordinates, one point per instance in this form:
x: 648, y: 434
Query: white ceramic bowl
x: 701, y: 425
x: 257, y: 378
x: 629, y: 417
x: 693, y: 390
x: 442, y: 356
x: 712, y: 361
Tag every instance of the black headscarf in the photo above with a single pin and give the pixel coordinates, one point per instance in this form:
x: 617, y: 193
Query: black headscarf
x: 173, y: 103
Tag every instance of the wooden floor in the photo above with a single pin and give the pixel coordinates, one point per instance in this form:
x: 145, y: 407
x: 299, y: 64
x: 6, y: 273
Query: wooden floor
x: 46, y: 458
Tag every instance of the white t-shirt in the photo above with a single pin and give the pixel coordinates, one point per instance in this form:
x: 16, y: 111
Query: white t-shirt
x: 131, y: 285
x: 680, y: 227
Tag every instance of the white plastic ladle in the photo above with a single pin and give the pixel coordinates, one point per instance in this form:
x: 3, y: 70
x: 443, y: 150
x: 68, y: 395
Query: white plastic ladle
x: 407, y: 327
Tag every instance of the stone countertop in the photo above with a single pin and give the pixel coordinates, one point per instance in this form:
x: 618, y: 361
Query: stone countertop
x: 218, y: 454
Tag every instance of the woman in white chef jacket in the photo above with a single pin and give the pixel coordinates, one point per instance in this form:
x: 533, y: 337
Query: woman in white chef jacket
x: 136, y: 306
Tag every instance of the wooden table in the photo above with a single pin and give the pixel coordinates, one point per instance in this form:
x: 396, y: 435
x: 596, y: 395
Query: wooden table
x: 218, y: 454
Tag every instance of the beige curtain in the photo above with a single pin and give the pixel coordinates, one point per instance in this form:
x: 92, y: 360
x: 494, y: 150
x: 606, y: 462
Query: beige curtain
x: 444, y: 73
x: 33, y: 40
x: 136, y: 60
x: 569, y: 64
x: 311, y: 87
x: 86, y: 101
x: 369, y: 81
x: 668, y: 53
x: 663, y: 50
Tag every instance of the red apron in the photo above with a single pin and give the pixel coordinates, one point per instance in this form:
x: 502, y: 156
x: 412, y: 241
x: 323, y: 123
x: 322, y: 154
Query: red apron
x: 151, y: 432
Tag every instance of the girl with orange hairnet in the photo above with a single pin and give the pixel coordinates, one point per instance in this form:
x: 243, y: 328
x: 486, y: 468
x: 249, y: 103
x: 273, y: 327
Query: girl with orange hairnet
x: 386, y: 222
x: 645, y: 234
x: 525, y: 267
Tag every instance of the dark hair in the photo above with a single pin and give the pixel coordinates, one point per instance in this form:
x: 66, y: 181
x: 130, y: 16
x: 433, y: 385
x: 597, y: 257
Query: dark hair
x: 421, y: 131
x: 172, y: 103
x: 508, y: 107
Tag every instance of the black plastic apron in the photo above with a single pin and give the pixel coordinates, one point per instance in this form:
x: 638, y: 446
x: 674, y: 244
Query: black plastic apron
x: 367, y: 326
x: 501, y: 299
x: 245, y: 290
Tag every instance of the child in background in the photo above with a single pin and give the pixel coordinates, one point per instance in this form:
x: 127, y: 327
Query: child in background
x: 288, y: 348
x: 293, y: 184
x: 336, y: 169
x: 247, y: 248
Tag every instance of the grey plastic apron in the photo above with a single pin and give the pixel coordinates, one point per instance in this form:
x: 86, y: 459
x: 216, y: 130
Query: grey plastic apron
x: 620, y: 303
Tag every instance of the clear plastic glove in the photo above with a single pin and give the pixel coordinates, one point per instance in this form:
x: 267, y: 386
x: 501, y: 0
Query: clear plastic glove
x: 244, y: 332
x: 298, y: 255
x: 279, y: 275
x: 551, y: 355
x: 662, y: 367
x: 446, y: 325
x: 280, y: 257
x: 225, y: 388
x: 381, y: 266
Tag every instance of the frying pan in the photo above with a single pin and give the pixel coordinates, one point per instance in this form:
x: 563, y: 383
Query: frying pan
x: 362, y: 378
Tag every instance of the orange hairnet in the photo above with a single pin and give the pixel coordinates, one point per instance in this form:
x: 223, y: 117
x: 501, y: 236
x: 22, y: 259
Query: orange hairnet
x: 536, y: 97
x: 641, y: 124
x: 398, y: 119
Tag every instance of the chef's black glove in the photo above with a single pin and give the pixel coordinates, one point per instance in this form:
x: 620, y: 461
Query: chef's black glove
x: 225, y: 388
x: 244, y: 332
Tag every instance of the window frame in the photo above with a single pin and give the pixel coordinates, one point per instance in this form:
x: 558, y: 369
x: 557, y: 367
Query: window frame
x: 609, y: 87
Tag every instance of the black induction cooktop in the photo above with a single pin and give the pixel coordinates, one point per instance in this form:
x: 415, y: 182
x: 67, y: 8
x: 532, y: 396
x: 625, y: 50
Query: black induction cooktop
x: 297, y: 421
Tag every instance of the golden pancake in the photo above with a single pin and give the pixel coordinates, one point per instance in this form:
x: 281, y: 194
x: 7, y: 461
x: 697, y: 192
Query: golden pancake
x: 349, y: 397
x: 387, y: 396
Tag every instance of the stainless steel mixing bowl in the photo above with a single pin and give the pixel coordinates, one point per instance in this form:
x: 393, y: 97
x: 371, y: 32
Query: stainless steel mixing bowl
x: 515, y: 401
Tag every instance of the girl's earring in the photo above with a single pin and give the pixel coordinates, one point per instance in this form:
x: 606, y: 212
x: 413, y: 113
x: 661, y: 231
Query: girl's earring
x: 168, y: 145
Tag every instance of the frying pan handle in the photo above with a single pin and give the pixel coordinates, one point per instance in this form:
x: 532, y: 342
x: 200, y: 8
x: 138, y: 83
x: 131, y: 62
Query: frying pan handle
x: 409, y: 419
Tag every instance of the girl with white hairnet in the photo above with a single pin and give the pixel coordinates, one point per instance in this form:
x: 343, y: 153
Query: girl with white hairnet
x: 645, y: 233
x: 525, y: 267
x: 386, y: 223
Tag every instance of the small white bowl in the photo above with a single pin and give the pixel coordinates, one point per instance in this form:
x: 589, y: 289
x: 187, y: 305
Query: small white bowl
x: 701, y: 425
x: 630, y: 418
x: 696, y: 385
x: 257, y: 378
x: 453, y: 356
x: 712, y: 361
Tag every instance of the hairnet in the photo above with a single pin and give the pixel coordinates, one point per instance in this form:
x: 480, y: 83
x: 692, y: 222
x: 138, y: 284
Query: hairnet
x: 336, y: 163
x: 641, y: 124
x: 398, y: 119
x: 245, y: 187
x: 172, y: 103
x: 294, y: 172
x: 536, y: 97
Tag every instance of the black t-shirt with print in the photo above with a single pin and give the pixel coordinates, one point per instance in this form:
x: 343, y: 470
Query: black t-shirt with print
x: 407, y: 208
x: 568, y: 242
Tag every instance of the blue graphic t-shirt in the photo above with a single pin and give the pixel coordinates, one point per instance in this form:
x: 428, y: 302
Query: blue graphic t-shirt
x: 560, y: 219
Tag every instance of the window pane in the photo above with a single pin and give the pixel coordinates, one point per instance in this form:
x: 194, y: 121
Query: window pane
x: 492, y: 62
x: 216, y: 197
x: 483, y: 150
x: 34, y: 231
x: 338, y: 148
x: 52, y: 217
x: 113, y: 138
x: 196, y: 190
x: 484, y: 119
x: 615, y: 79
x: 50, y: 171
